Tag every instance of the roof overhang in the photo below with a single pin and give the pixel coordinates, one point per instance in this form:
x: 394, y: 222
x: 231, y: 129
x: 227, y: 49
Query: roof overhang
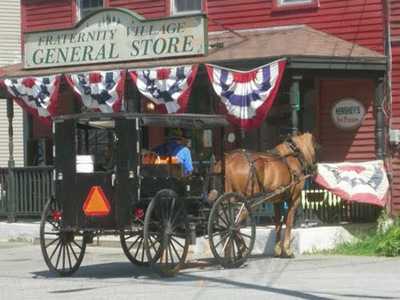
x: 107, y: 120
x: 303, y: 46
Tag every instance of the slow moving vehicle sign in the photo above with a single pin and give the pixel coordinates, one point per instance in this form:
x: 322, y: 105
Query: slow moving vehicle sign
x: 96, y: 203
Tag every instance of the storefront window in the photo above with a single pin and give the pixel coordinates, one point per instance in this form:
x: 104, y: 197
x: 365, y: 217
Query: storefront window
x: 186, y: 6
x: 86, y: 7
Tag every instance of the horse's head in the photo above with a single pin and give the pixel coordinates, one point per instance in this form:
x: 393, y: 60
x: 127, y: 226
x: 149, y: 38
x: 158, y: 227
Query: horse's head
x: 305, y: 144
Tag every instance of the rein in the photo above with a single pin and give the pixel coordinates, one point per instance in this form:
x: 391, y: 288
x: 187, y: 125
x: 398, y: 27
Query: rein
x: 308, y: 169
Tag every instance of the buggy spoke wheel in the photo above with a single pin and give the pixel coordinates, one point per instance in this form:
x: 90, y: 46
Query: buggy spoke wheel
x: 132, y: 243
x: 166, y: 223
x: 231, y: 230
x: 63, y: 251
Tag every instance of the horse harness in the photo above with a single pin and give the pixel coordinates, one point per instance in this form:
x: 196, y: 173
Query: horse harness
x: 307, y: 169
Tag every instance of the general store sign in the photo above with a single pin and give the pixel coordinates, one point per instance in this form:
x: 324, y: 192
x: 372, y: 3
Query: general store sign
x: 113, y: 35
x: 347, y: 113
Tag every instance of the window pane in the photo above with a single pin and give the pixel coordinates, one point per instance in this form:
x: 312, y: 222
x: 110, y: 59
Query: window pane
x: 187, y: 5
x: 96, y: 3
x: 89, y: 6
x: 85, y: 13
x: 85, y: 3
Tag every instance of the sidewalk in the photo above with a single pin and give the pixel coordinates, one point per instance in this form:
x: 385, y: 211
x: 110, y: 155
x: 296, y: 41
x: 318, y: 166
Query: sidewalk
x: 305, y: 240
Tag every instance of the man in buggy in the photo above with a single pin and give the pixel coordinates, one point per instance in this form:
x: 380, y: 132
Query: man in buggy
x: 177, y: 146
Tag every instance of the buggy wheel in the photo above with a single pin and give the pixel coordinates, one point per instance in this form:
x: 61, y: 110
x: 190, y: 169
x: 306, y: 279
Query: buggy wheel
x: 166, y: 223
x: 231, y: 230
x: 62, y: 252
x: 132, y: 243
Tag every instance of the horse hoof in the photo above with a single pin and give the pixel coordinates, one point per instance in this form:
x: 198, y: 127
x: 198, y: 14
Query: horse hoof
x: 277, y: 250
x: 287, y: 254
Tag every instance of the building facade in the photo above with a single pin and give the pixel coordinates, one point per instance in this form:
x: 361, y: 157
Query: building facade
x: 336, y: 50
x: 394, y: 74
x: 10, y: 53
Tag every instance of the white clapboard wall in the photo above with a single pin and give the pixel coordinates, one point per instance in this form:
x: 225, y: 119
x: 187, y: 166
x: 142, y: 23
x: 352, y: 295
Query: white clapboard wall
x: 10, y: 53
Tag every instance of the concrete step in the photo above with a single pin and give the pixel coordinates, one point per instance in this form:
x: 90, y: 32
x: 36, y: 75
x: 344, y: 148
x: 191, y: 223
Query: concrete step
x: 304, y: 240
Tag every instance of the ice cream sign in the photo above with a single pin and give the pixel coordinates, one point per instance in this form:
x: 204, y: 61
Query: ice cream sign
x: 347, y: 113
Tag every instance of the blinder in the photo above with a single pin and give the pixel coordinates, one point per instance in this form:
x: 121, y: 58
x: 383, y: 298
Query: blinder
x: 308, y: 169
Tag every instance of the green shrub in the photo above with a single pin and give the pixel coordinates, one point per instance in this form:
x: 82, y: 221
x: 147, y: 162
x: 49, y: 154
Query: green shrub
x: 384, y: 241
x: 390, y: 242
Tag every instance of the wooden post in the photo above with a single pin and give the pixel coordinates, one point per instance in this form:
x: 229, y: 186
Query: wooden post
x: 379, y: 102
x: 295, y: 103
x: 295, y: 107
x: 11, y: 196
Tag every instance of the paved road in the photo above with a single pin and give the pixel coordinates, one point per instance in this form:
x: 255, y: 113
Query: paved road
x: 106, y: 274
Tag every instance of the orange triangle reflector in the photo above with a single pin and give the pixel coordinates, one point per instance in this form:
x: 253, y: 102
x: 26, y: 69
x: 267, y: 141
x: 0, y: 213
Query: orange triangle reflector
x: 96, y: 203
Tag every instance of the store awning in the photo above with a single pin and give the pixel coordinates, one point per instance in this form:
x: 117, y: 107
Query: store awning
x: 304, y: 47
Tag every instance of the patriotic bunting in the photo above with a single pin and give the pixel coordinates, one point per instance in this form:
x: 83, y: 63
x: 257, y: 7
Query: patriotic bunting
x: 37, y: 95
x: 364, y: 182
x: 102, y: 90
x: 168, y: 87
x: 247, y: 96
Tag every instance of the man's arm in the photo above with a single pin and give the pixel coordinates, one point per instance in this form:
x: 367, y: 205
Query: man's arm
x: 186, y: 158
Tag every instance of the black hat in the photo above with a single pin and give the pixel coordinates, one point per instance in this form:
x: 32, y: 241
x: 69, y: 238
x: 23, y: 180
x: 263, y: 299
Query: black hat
x: 178, y: 134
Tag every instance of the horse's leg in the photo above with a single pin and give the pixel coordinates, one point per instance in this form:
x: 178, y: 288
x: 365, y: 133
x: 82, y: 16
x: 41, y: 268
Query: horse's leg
x: 287, y: 252
x: 278, y: 228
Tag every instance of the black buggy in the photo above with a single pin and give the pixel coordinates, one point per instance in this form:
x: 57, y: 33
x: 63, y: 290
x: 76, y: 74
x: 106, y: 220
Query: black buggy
x: 106, y: 183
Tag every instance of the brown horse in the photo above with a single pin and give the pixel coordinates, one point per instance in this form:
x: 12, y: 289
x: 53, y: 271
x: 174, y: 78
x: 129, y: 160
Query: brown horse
x: 284, y: 168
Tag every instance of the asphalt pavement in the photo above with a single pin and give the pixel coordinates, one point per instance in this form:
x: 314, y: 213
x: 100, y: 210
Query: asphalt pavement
x: 107, y: 274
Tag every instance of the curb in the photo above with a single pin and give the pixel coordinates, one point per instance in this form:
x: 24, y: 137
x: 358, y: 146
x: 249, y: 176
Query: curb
x: 305, y: 240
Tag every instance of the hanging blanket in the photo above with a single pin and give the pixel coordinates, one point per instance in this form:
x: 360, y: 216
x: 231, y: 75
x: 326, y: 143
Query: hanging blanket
x: 168, y: 87
x: 100, y: 90
x: 364, y: 182
x: 247, y: 96
x: 37, y: 95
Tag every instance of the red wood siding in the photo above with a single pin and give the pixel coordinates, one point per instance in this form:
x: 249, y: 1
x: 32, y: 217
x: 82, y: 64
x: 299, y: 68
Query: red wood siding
x: 339, y: 145
x: 147, y: 8
x: 45, y: 14
x: 395, y: 120
x: 359, y: 21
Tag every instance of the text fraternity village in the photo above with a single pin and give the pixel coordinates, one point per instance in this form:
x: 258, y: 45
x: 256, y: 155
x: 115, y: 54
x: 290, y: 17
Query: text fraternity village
x: 117, y: 42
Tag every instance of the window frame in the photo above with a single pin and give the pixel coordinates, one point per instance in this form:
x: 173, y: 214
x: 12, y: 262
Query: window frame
x: 79, y: 9
x: 279, y: 5
x: 187, y: 12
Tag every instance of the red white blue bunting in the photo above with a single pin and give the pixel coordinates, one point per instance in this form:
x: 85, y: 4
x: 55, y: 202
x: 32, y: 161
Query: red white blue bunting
x: 364, y: 182
x: 247, y: 96
x: 100, y: 90
x: 37, y: 95
x: 167, y: 87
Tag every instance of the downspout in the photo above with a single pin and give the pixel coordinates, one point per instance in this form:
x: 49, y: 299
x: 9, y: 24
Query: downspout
x: 11, y: 189
x: 388, y: 91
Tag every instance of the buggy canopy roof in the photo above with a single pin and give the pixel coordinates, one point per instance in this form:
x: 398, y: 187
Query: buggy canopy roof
x: 102, y: 120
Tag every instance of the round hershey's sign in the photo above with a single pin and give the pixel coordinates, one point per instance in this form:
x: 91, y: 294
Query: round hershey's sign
x: 348, y: 113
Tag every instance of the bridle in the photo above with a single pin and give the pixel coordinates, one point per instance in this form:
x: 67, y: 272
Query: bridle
x: 306, y: 167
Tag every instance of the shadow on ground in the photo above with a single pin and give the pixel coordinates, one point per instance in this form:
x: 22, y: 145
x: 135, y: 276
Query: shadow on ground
x: 194, y: 271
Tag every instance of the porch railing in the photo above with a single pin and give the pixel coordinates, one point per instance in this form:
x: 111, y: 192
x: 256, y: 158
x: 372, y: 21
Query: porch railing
x: 24, y: 191
x: 321, y: 206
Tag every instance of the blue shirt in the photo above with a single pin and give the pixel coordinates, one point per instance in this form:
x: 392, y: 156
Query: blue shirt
x: 172, y: 148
